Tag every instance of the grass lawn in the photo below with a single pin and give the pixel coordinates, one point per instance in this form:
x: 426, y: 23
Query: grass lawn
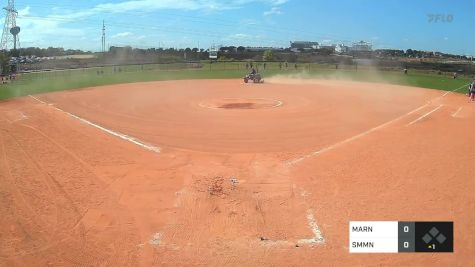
x: 73, y: 79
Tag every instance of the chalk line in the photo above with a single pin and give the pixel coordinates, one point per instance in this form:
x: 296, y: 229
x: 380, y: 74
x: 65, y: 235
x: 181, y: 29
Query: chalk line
x: 317, y: 233
x: 425, y: 115
x: 122, y: 136
x: 323, y: 150
x: 455, y: 90
x: 457, y: 112
x: 295, y: 161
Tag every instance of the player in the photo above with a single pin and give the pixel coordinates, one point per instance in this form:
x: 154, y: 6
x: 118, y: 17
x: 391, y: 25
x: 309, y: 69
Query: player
x: 472, y: 91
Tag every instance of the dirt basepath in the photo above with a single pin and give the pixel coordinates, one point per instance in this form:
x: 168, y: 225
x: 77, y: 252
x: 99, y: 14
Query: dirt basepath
x: 242, y: 174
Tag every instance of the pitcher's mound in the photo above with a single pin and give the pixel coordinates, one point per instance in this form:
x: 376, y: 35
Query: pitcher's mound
x: 241, y: 103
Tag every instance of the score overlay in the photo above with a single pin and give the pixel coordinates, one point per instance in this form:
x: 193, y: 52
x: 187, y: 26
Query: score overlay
x: 400, y: 237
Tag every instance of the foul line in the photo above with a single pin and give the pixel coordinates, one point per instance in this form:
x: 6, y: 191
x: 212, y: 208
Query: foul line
x: 455, y: 90
x: 295, y: 161
x: 122, y: 136
x: 316, y: 153
x: 425, y: 115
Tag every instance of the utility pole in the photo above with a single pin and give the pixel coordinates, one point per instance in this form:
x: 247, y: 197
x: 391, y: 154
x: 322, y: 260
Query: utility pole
x: 103, y: 36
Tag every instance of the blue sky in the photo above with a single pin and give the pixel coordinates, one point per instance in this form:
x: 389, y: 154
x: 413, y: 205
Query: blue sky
x: 191, y: 23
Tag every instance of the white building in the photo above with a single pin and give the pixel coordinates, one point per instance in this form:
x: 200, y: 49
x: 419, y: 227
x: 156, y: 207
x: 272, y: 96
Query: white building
x: 213, y: 52
x: 341, y: 49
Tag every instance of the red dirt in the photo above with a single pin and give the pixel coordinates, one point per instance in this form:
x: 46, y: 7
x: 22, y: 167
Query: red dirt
x: 220, y: 192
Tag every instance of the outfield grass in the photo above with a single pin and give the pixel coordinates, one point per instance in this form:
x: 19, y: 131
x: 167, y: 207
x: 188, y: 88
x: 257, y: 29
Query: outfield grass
x: 34, y: 83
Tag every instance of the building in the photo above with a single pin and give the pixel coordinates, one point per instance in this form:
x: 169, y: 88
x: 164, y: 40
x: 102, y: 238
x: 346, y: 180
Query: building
x: 297, y: 46
x: 362, y: 46
x: 213, y: 52
x: 341, y: 49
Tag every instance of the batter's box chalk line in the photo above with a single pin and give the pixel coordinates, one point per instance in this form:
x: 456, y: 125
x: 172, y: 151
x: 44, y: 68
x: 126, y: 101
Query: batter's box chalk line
x: 122, y: 136
x: 317, y: 238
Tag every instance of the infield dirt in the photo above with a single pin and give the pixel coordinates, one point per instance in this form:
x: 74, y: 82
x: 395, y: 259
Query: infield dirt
x: 245, y: 174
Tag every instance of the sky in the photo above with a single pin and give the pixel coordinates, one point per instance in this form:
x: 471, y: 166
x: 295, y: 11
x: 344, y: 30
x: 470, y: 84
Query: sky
x: 432, y: 25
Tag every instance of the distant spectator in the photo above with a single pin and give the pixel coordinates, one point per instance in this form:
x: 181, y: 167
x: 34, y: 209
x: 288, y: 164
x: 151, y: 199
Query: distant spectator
x: 280, y: 65
x: 296, y: 67
x: 265, y: 65
x: 455, y: 75
x: 405, y: 71
x: 472, y: 91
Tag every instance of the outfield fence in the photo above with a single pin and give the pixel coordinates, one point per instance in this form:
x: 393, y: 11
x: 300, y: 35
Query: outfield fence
x: 214, y: 66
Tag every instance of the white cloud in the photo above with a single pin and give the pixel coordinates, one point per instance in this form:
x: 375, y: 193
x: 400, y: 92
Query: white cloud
x: 239, y: 36
x: 24, y: 12
x: 269, y: 2
x: 273, y: 11
x: 248, y: 22
x: 64, y: 27
x: 279, y: 2
x: 154, y: 5
x: 44, y: 31
x: 122, y: 35
x: 151, y: 5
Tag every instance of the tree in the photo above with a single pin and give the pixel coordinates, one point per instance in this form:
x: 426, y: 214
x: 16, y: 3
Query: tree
x: 268, y: 55
x: 326, y: 51
x: 241, y: 49
x: 4, y: 63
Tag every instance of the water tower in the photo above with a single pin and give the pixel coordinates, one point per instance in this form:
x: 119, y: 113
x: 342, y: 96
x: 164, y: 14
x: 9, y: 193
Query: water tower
x: 15, y: 31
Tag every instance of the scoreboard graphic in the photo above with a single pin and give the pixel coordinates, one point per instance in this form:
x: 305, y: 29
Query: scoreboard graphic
x: 400, y: 237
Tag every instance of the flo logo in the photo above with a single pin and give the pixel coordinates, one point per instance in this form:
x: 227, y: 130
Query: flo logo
x: 440, y: 18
